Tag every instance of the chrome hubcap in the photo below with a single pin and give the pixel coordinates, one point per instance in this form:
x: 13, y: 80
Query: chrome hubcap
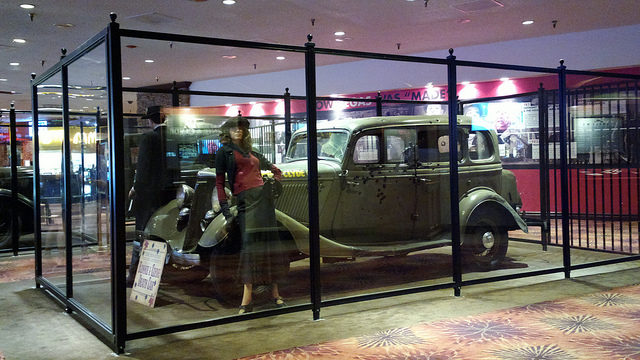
x: 488, y: 240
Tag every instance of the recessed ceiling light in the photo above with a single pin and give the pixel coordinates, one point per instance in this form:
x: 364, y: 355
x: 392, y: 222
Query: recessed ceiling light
x: 280, y: 57
x: 64, y: 26
x: 14, y: 63
x: 3, y: 79
x: 339, y: 40
x: 19, y: 41
x: 339, y: 33
x: 527, y: 22
x: 229, y: 56
x: 126, y: 78
x: 228, y: 2
x: 149, y: 61
x: 27, y: 6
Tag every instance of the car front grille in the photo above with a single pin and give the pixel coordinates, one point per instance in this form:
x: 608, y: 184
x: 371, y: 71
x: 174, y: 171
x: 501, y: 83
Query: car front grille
x: 294, y: 200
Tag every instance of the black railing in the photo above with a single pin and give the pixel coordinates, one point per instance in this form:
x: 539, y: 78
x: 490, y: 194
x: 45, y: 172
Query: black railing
x: 116, y: 334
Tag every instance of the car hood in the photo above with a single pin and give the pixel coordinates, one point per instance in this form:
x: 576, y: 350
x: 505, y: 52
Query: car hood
x: 296, y: 170
x: 293, y: 170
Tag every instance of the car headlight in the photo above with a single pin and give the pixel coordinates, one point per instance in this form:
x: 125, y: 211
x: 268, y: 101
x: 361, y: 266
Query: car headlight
x: 183, y: 218
x: 208, y: 218
x: 184, y: 195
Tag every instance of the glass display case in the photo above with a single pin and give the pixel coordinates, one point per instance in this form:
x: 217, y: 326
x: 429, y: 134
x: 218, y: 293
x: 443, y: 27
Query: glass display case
x: 168, y: 217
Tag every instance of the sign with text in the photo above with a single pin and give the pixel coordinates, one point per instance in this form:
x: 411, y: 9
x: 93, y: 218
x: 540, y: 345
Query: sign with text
x: 147, y: 281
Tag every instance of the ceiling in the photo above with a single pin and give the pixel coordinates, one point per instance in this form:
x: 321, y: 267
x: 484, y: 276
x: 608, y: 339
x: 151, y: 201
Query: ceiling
x: 388, y: 26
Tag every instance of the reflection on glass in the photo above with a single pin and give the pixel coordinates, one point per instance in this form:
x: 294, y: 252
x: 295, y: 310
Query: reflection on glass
x: 90, y: 208
x: 50, y: 157
x: 331, y: 145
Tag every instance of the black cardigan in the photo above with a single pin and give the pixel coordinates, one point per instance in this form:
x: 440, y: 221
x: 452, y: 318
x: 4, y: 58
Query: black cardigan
x: 226, y: 162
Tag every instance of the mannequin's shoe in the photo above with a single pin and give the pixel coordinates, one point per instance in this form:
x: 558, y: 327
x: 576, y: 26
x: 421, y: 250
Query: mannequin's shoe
x: 243, y: 309
x: 279, y: 302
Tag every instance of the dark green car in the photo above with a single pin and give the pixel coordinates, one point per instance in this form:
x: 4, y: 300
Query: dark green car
x: 383, y: 191
x: 23, y: 209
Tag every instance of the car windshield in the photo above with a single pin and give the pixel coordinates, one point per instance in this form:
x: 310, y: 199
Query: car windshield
x: 331, y: 145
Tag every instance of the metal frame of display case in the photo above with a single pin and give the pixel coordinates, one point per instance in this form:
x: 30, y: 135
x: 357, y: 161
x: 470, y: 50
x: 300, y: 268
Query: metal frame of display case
x: 14, y: 188
x: 116, y: 335
x: 13, y: 151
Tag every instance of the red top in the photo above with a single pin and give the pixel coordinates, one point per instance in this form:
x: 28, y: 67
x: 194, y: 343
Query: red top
x: 247, y: 177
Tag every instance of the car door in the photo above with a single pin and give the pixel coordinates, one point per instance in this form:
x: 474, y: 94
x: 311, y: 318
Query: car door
x: 432, y: 181
x: 378, y: 190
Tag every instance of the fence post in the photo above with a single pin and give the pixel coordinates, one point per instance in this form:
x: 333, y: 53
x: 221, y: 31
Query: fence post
x: 564, y: 169
x: 453, y: 171
x: 312, y: 176
x: 36, y: 181
x: 544, y: 165
x: 15, y: 231
x: 116, y: 186
x: 287, y: 119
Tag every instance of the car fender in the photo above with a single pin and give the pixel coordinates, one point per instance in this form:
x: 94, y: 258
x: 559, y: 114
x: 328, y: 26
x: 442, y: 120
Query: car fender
x: 5, y: 194
x: 24, y: 207
x: 216, y: 232
x: 480, y: 200
x: 300, y: 235
x: 162, y: 224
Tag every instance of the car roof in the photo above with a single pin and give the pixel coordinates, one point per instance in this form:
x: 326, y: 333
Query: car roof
x: 354, y: 125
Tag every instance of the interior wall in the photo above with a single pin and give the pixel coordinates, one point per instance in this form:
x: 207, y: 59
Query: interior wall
x: 589, y: 50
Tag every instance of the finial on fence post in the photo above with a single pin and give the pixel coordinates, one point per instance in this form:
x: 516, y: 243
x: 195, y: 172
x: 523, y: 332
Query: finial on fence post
x: 561, y: 62
x: 113, y: 16
x: 309, y: 37
x: 33, y: 76
x: 450, y: 51
x: 64, y: 53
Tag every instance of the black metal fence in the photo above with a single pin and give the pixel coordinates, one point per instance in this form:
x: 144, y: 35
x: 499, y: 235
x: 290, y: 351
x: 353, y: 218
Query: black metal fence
x: 112, y: 326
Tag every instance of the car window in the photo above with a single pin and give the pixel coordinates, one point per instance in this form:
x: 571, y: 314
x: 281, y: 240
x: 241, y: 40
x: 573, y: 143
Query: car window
x: 480, y: 146
x: 331, y: 145
x: 396, y: 142
x: 367, y: 150
x: 433, y: 144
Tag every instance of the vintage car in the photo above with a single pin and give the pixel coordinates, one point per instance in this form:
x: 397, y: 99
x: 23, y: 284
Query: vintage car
x: 383, y: 191
x: 24, y: 208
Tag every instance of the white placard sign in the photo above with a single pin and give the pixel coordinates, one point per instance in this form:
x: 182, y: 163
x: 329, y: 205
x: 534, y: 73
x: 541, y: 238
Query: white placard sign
x: 147, y: 281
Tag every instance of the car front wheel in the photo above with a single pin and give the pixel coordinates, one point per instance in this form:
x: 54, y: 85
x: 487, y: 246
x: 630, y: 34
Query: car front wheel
x: 485, y: 244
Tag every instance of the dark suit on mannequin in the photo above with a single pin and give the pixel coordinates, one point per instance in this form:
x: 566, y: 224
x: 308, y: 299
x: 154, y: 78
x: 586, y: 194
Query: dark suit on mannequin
x: 156, y: 173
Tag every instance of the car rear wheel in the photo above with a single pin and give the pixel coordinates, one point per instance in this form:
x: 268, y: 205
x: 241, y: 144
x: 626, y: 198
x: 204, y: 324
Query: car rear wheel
x: 485, y: 244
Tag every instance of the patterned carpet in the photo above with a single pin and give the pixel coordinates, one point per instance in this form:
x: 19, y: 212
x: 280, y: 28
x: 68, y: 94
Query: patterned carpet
x: 23, y: 267
x: 599, y: 326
